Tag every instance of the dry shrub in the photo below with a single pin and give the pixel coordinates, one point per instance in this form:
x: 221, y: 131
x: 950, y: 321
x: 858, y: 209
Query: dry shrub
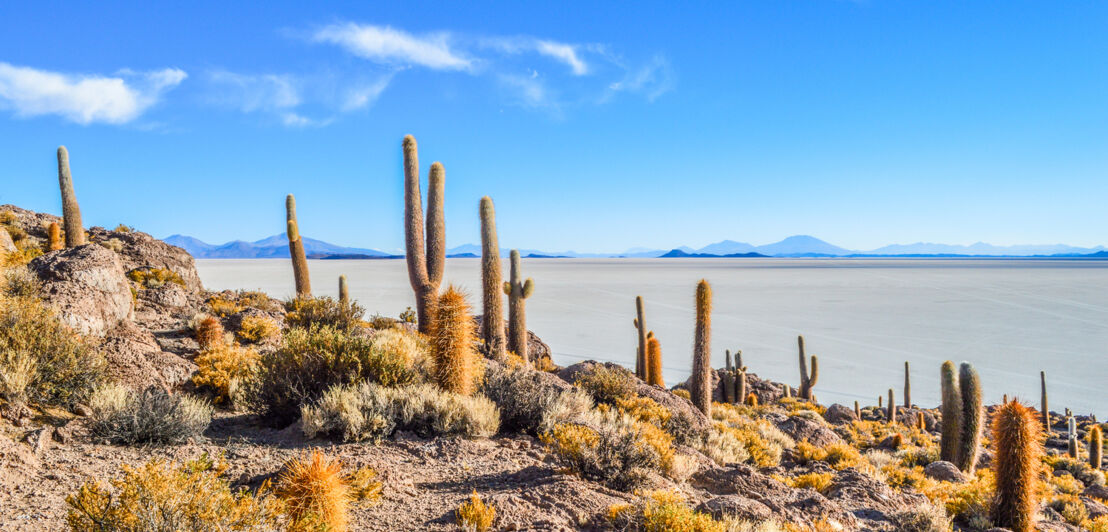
x: 531, y: 403
x: 222, y: 306
x: 154, y: 277
x: 607, y: 384
x: 226, y: 370
x: 256, y: 329
x: 308, y: 312
x: 609, y: 448
x: 924, y: 518
x: 816, y: 481
x: 18, y: 282
x: 667, y: 511
x: 315, y: 491
x: 123, y: 416
x: 165, y: 496
x: 838, y: 455
x: 400, y: 357
x: 474, y: 515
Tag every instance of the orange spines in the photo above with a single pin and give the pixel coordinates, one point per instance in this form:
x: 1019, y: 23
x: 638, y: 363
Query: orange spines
x: 1018, y: 437
x: 452, y: 343
x: 54, y: 232
x: 700, y: 388
x: 209, y: 333
x: 314, y: 487
x: 654, y: 359
x: 751, y: 399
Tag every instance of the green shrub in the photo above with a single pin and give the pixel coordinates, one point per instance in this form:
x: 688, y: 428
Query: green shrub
x: 607, y: 384
x: 123, y: 416
x: 306, y: 312
x: 529, y: 402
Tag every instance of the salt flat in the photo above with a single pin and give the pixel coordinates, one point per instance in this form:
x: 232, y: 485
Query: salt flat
x: 862, y: 317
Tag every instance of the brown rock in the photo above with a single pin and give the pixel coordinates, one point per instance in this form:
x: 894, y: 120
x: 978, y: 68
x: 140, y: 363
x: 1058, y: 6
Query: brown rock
x: 802, y: 428
x: 85, y: 285
x: 944, y: 471
x: 736, y: 506
x: 136, y: 359
x: 839, y: 414
x: 6, y: 244
x: 1094, y: 507
x: 142, y: 250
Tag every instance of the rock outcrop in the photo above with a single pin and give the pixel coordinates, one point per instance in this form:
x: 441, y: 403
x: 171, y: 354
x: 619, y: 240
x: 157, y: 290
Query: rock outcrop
x: 140, y: 250
x: 87, y: 288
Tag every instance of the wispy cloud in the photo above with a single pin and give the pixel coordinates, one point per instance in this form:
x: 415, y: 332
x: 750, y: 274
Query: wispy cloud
x: 363, y: 95
x: 384, y: 44
x: 652, y: 79
x: 255, y: 92
x: 84, y: 98
x: 306, y: 100
x: 565, y: 53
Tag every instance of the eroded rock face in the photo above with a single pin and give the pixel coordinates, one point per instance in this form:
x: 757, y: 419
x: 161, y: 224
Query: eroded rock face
x: 839, y: 414
x: 801, y: 428
x: 6, y: 244
x: 86, y: 286
x: 736, y: 506
x: 141, y: 250
x: 799, y: 506
x: 871, y: 501
x: 135, y: 359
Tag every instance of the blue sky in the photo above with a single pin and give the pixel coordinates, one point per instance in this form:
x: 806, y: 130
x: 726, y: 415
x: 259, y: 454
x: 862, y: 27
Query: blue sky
x: 594, y: 126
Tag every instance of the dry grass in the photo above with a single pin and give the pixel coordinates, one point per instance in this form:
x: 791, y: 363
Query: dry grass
x: 611, y: 448
x: 154, y: 277
x: 123, y: 416
x: 474, y: 515
x: 607, y: 384
x: 308, y: 312
x: 529, y: 402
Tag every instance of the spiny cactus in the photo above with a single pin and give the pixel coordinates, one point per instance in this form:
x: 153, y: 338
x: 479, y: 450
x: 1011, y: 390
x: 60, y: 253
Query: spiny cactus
x: 1018, y: 440
x: 425, y: 266
x: 517, y: 291
x: 787, y: 391
x: 641, y: 370
x: 751, y: 399
x: 344, y: 291
x: 71, y: 212
x: 857, y: 410
x: 1096, y: 446
x: 740, y: 382
x: 452, y: 343
x: 921, y: 421
x: 296, y: 250
x: 727, y: 380
x: 209, y: 333
x: 1071, y: 436
x: 492, y: 321
x: 54, y: 234
x: 654, y: 361
x: 313, y: 486
x: 890, y: 414
x: 1045, y: 412
x: 907, y: 386
x: 880, y: 401
x: 807, y: 380
x: 700, y: 388
x: 951, y: 412
x: 973, y: 415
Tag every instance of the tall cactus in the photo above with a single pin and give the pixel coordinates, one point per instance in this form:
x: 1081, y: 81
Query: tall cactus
x: 492, y: 321
x: 654, y: 361
x: 1045, y: 412
x: 951, y: 412
x: 1018, y: 440
x: 973, y: 415
x: 727, y: 379
x: 740, y: 383
x: 890, y: 414
x: 344, y: 291
x: 517, y: 291
x: 1096, y: 446
x: 54, y: 237
x: 641, y: 369
x: 71, y: 212
x: 296, y: 250
x: 425, y: 265
x: 907, y: 386
x: 701, y: 385
x: 807, y: 380
x: 452, y: 343
x: 1071, y: 436
x: 857, y: 411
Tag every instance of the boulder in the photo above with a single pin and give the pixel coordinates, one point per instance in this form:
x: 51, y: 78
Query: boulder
x: 1094, y: 507
x: 801, y: 428
x: 86, y: 286
x: 135, y: 359
x: 142, y: 250
x: 168, y: 296
x: 1097, y: 491
x: 6, y: 244
x: 837, y: 414
x: 945, y: 471
x: 736, y: 507
x: 871, y: 501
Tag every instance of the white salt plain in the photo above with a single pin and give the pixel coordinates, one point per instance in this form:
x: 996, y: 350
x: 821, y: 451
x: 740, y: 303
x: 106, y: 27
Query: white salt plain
x: 863, y: 318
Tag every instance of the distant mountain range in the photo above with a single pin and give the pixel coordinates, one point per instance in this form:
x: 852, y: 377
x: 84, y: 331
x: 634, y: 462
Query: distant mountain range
x: 276, y: 246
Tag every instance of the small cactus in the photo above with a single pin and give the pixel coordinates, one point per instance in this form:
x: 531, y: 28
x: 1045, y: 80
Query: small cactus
x: 907, y: 386
x: 517, y: 291
x: 71, y: 211
x: 209, y: 333
x: 425, y: 266
x: 700, y: 387
x: 344, y: 291
x: 807, y: 380
x: 880, y: 401
x: 787, y: 391
x: 751, y: 399
x: 1018, y: 441
x: 654, y: 359
x: 1045, y: 412
x: 313, y: 487
x: 857, y: 410
x: 951, y: 412
x: 452, y: 343
x: 1071, y: 435
x: 296, y: 250
x: 641, y: 369
x: 740, y: 382
x: 54, y: 240
x: 973, y: 414
x: 492, y: 320
x: 1096, y: 446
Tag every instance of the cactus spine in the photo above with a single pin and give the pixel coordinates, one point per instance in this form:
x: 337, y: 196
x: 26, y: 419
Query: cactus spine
x: 425, y: 265
x: 701, y: 384
x: 654, y: 358
x: 492, y: 321
x: 54, y: 232
x: 891, y: 413
x: 907, y: 386
x: 517, y: 292
x: 452, y: 343
x: 344, y: 291
x: 807, y: 381
x: 71, y: 212
x: 969, y: 435
x: 296, y: 250
x: 951, y: 412
x: 641, y: 369
x: 1018, y: 448
x: 1096, y: 446
x: 1045, y: 412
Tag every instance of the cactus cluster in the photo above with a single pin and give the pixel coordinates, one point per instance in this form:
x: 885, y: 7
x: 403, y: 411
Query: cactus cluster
x: 807, y: 380
x: 425, y: 264
x: 517, y: 291
x: 1018, y: 438
x: 733, y: 378
x: 71, y: 211
x: 963, y: 415
x: 492, y: 300
x: 296, y: 250
x: 701, y: 384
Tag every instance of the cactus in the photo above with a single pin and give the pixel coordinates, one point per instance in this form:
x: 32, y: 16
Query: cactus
x: 1071, y: 435
x: 880, y: 401
x: 452, y: 343
x: 890, y: 415
x: 641, y: 370
x: 751, y: 400
x: 1096, y: 446
x: 969, y: 444
x: 344, y: 291
x: 907, y: 386
x: 921, y: 422
x: 1018, y: 440
x: 54, y: 234
x: 787, y: 391
x: 425, y: 266
x: 857, y: 410
x: 654, y: 359
x: 517, y: 292
x: 296, y: 250
x: 740, y: 382
x: 727, y: 380
x: 71, y: 212
x: 1045, y: 412
x: 209, y: 333
x: 951, y: 412
x: 701, y: 383
x: 492, y: 320
x: 807, y: 381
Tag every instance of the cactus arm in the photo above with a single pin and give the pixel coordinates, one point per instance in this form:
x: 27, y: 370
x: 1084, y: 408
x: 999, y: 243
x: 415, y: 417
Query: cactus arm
x: 528, y: 288
x: 71, y: 211
x: 436, y: 225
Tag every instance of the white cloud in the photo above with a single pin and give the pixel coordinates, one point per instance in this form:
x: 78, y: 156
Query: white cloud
x: 386, y: 45
x: 256, y: 92
x: 565, y: 53
x: 363, y: 95
x: 652, y: 79
x: 84, y: 99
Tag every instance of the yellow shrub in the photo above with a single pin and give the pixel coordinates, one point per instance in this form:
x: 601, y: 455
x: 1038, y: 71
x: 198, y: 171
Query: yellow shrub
x: 474, y: 515
x: 645, y: 409
x: 364, y: 486
x: 223, y: 307
x: 164, y: 496
x: 971, y: 501
x: 682, y: 393
x: 225, y: 369
x: 258, y: 329
x: 313, y: 487
x: 155, y: 277
x: 793, y: 405
x: 816, y: 481
x: 663, y: 511
x: 1066, y: 485
x: 1072, y: 509
x: 838, y: 455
